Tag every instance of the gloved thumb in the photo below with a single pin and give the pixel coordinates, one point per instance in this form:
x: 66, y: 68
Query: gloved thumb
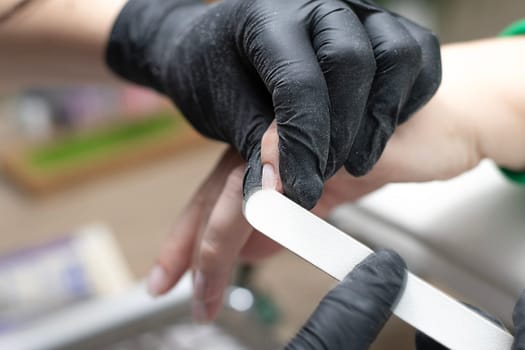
x: 264, y: 159
x: 518, y: 317
x: 353, y: 313
x: 254, y: 161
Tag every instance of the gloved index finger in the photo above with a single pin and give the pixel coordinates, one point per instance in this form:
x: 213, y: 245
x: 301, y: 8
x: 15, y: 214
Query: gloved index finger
x: 518, y: 318
x: 281, y: 52
x: 353, y: 313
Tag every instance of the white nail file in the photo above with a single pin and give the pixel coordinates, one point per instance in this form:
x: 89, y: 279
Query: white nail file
x: 336, y: 253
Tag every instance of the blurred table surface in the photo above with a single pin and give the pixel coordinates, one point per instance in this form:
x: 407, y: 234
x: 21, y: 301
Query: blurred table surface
x: 139, y: 205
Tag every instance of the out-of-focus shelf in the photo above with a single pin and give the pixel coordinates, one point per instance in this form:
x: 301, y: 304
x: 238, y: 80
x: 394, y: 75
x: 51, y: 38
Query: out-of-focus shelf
x: 42, y: 168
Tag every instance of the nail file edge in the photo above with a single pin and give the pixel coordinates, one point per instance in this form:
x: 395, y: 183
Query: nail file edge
x: 336, y: 253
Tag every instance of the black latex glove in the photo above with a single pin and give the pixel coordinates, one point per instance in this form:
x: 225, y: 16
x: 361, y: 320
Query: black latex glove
x: 352, y: 314
x: 423, y: 342
x: 337, y: 76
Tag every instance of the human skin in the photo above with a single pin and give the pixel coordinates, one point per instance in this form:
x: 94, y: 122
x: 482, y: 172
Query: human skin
x: 478, y: 113
x: 49, y: 42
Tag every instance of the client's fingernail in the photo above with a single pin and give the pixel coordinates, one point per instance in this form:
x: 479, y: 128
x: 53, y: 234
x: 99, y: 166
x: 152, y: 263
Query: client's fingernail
x: 199, y: 311
x: 269, y: 179
x: 199, y: 285
x: 156, y: 281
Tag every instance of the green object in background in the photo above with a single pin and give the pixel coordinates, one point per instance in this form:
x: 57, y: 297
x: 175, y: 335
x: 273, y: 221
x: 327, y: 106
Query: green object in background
x: 98, y: 143
x: 266, y: 310
x: 514, y: 176
x: 517, y: 28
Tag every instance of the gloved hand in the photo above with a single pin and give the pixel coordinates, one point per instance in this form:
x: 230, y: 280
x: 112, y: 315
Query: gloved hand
x: 423, y: 342
x: 337, y: 76
x: 353, y: 313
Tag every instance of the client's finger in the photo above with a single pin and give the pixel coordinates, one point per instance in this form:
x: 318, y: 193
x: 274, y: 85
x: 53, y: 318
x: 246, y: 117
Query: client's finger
x: 270, y: 159
x: 222, y: 240
x: 175, y: 255
x: 227, y: 232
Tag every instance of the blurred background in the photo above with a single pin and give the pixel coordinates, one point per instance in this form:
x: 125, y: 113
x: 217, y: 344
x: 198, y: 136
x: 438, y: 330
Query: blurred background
x: 93, y: 177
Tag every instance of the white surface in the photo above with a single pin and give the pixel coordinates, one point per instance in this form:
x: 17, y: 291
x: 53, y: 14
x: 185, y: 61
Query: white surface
x: 94, y: 317
x: 468, y: 233
x: 478, y: 219
x: 409, y: 203
x: 336, y: 253
x: 100, y: 253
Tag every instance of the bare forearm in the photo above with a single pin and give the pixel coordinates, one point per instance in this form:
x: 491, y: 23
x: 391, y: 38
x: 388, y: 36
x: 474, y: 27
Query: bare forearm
x: 485, y: 82
x: 55, y: 41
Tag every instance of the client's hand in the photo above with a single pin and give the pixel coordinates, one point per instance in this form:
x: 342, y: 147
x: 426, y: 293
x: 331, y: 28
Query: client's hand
x: 447, y: 137
x: 211, y: 234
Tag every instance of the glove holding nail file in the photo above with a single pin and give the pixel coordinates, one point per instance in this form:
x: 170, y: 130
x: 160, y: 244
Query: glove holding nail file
x: 337, y: 76
x: 352, y: 314
x: 419, y: 304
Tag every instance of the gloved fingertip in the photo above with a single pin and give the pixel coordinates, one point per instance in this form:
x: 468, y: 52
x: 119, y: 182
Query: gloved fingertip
x: 519, y: 310
x: 518, y: 317
x: 356, y: 310
x: 358, y: 168
x: 303, y: 154
x: 305, y: 191
x: 362, y: 164
x: 252, y: 181
x: 390, y: 258
x: 369, y: 145
x: 386, y: 263
x: 424, y: 342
